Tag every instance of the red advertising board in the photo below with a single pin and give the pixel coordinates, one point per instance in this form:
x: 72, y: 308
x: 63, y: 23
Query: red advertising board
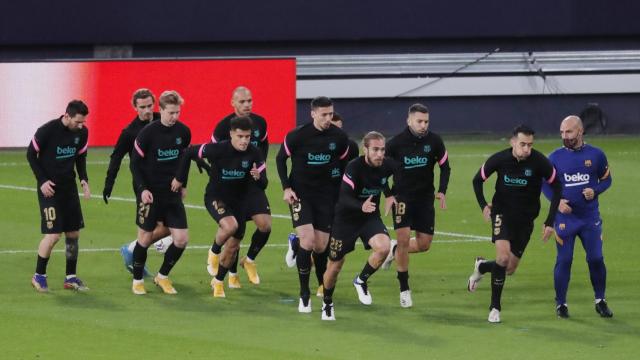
x: 33, y: 93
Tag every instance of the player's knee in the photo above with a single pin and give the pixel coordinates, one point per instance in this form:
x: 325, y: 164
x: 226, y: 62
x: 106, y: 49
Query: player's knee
x: 424, y: 245
x: 503, y: 260
x: 511, y: 270
x: 263, y: 223
x: 598, y: 261
x: 51, y: 239
x: 181, y: 239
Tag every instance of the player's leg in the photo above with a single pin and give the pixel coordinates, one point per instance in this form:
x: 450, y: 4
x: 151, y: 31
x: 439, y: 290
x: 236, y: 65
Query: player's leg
x: 566, y: 229
x: 139, y: 260
x: 498, y: 274
x: 161, y: 237
x: 380, y: 245
x: 227, y: 226
x: 258, y: 241
x: 72, y: 281
x: 39, y: 279
x: 51, y: 225
x: 302, y: 216
x: 228, y: 256
x: 323, y: 212
x: 330, y: 278
x: 591, y: 236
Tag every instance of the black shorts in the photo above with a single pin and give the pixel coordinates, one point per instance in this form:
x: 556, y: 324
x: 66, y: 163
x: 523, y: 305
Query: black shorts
x: 517, y: 232
x: 317, y: 211
x: 167, y: 208
x: 417, y: 214
x: 256, y: 202
x: 61, y: 212
x: 219, y: 209
x: 345, y: 232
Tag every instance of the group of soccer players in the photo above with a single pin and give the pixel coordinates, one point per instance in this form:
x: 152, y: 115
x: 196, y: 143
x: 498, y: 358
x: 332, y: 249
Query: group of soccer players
x: 333, y: 196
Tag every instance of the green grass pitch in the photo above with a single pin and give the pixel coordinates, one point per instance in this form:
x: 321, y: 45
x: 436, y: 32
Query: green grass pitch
x: 262, y: 322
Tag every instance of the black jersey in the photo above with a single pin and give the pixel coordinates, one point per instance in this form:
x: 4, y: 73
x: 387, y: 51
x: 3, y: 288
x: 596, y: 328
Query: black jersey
x: 316, y: 159
x: 124, y: 146
x: 417, y: 157
x: 258, y: 132
x: 55, y: 149
x: 354, y: 151
x: 230, y: 173
x: 360, y: 180
x: 518, y: 186
x: 156, y: 161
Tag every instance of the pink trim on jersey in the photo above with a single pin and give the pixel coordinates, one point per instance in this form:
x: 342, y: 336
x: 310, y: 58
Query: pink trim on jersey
x: 346, y: 152
x: 137, y: 147
x: 348, y: 181
x: 265, y: 136
x: 200, y: 151
x: 286, y: 148
x: 444, y: 158
x: 484, y: 177
x: 84, y: 149
x: 35, y: 145
x: 213, y: 139
x: 262, y: 167
x: 553, y: 176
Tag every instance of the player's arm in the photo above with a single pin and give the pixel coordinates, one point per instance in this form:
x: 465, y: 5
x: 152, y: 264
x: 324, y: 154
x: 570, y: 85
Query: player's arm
x: 478, y: 180
x: 263, y: 144
x: 281, y: 162
x: 33, y: 152
x: 137, y: 163
x: 549, y: 174
x: 348, y: 196
x: 445, y: 174
x: 123, y: 147
x: 81, y: 167
x: 186, y: 155
x: 604, y: 176
x: 259, y: 171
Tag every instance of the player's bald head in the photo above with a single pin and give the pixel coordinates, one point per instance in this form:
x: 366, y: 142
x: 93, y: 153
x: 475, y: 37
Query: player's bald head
x: 242, y: 101
x: 241, y: 90
x: 572, y: 121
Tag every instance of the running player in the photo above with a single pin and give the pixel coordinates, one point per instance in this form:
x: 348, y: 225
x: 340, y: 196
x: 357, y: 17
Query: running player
x: 155, y: 164
x: 357, y: 215
x: 55, y: 149
x: 257, y: 208
x: 418, y: 150
x: 516, y: 204
x: 317, y: 150
x: 235, y: 166
x: 143, y: 102
x: 584, y: 173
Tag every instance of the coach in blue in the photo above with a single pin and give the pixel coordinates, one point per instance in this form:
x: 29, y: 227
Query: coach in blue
x: 584, y: 173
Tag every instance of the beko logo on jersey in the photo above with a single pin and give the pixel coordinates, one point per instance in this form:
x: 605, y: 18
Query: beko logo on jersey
x: 515, y: 181
x: 169, y: 154
x: 232, y: 174
x: 318, y: 159
x: 414, y: 162
x: 368, y: 192
x: 576, y: 179
x: 65, y: 152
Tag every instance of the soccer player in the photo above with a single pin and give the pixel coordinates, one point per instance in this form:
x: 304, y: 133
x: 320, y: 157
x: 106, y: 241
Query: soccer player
x: 294, y: 242
x: 584, y: 173
x: 159, y: 148
x: 257, y: 208
x: 357, y: 216
x: 143, y: 101
x: 516, y: 204
x: 236, y: 165
x: 317, y: 150
x: 418, y: 150
x: 55, y: 149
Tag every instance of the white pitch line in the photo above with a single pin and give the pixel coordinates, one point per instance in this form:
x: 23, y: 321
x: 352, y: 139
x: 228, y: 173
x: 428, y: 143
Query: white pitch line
x: 472, y: 238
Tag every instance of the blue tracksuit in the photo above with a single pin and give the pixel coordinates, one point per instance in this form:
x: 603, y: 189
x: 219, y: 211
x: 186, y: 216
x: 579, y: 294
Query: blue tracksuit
x: 577, y: 170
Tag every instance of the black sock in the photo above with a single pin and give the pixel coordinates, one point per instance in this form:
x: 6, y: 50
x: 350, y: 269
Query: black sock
x: 234, y: 265
x: 222, y: 272
x: 215, y: 248
x: 320, y: 261
x: 497, y: 283
x: 403, y: 278
x: 71, y: 251
x: 486, y: 266
x: 303, y: 261
x: 41, y: 265
x: 258, y: 241
x: 366, y: 273
x: 171, y: 257
x: 328, y: 295
x: 139, y: 259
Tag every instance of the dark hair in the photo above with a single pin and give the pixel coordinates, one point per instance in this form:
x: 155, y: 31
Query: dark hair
x: 418, y: 108
x: 321, y: 101
x: 522, y: 129
x: 241, y: 123
x: 76, y: 107
x: 142, y: 93
x: 337, y: 117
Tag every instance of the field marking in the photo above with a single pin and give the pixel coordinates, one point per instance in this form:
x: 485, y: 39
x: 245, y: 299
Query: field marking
x: 465, y: 237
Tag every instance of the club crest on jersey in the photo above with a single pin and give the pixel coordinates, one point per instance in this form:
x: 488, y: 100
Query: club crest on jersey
x: 332, y: 146
x: 76, y: 140
x: 256, y: 133
x: 528, y: 172
x: 587, y: 163
x: 245, y: 164
x: 427, y: 148
x: 383, y: 181
x: 178, y: 141
x: 562, y: 226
